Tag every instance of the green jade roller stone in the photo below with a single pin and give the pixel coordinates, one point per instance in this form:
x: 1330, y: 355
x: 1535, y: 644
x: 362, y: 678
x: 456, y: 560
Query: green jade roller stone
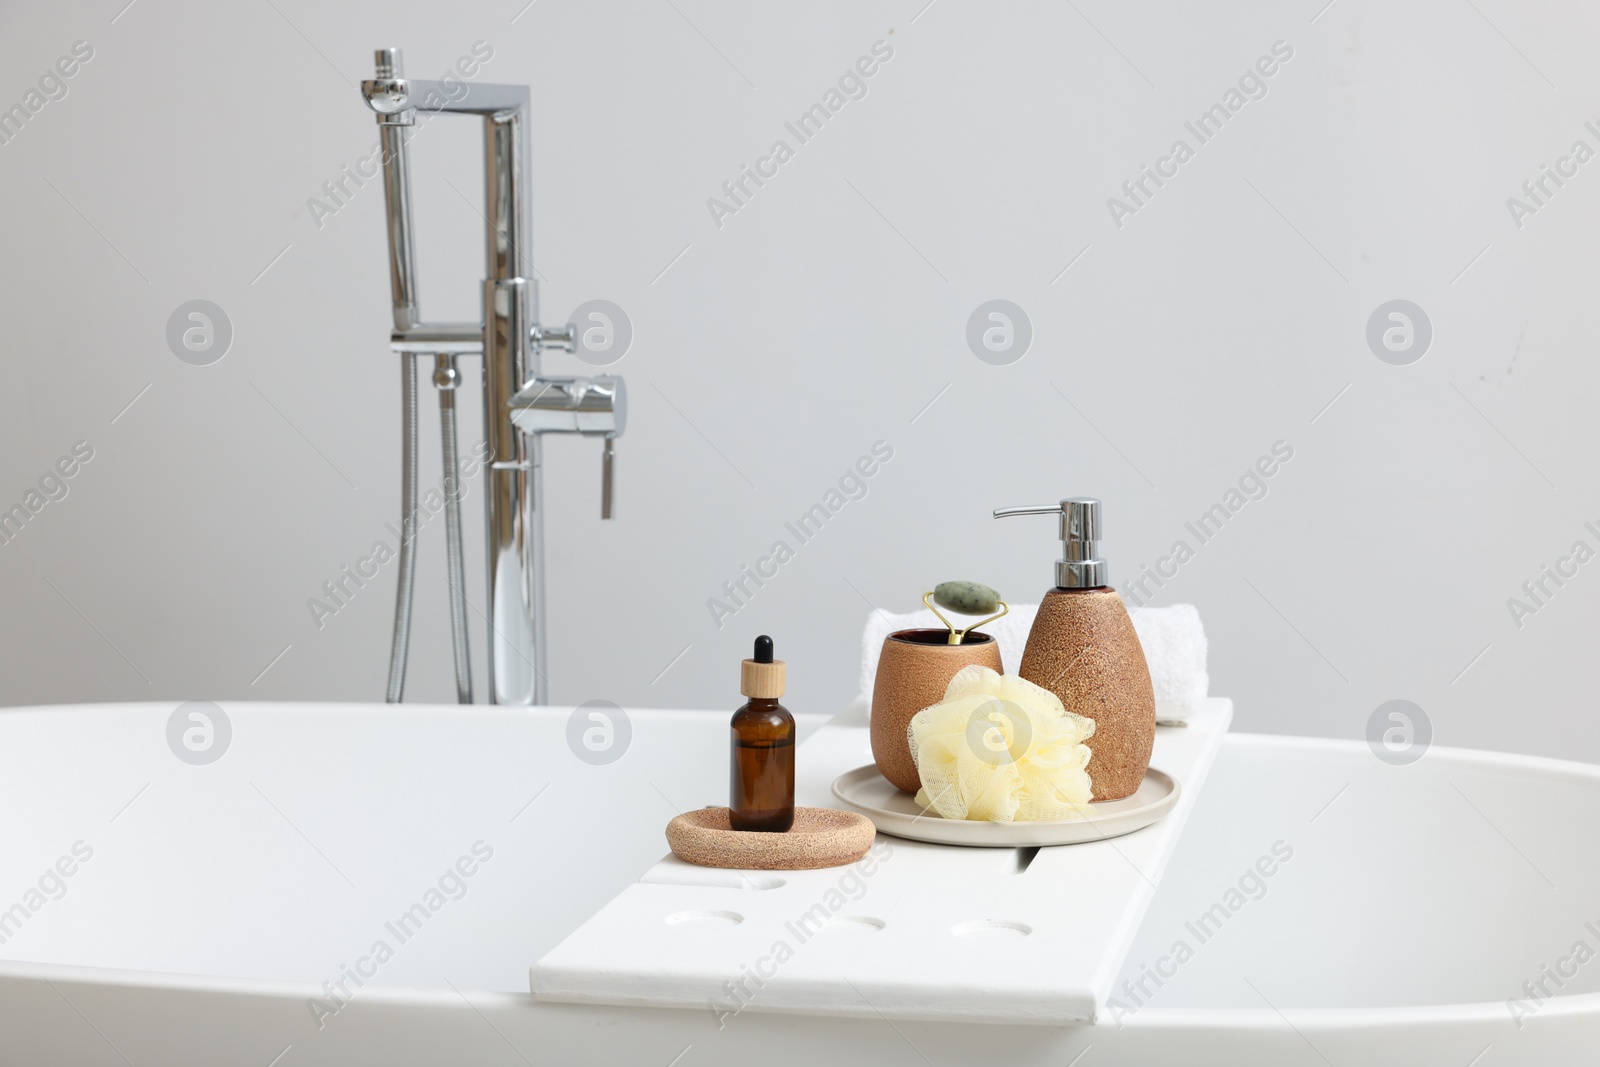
x: 966, y: 598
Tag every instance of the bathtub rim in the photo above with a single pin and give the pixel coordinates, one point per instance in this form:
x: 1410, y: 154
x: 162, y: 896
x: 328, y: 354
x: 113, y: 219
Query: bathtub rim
x: 1319, y: 1020
x: 1254, y: 1019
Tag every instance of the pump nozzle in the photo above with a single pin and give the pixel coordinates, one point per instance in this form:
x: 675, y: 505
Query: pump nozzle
x: 1080, y: 565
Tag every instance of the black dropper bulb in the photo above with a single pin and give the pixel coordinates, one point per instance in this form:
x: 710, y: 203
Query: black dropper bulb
x: 763, y: 649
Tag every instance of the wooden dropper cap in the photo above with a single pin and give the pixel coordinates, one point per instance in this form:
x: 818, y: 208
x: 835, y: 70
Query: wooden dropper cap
x: 762, y: 676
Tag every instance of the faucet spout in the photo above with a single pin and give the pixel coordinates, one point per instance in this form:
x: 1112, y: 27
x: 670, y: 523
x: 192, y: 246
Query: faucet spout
x: 396, y: 98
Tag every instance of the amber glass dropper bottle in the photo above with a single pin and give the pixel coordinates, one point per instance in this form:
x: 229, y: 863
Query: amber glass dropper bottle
x: 761, y: 779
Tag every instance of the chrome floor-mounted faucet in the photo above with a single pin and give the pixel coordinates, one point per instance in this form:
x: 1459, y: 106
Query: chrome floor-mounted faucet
x: 519, y: 404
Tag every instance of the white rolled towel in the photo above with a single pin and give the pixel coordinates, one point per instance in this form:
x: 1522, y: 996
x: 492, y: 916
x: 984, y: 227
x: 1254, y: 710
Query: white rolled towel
x: 1174, y: 646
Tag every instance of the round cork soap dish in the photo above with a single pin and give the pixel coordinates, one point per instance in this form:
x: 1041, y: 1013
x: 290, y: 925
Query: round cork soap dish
x: 820, y: 837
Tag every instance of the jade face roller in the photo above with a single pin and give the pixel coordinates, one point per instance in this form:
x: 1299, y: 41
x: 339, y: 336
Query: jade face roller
x: 964, y: 598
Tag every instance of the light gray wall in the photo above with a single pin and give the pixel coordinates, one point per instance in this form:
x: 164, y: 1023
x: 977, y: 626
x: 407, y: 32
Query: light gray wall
x: 1228, y: 313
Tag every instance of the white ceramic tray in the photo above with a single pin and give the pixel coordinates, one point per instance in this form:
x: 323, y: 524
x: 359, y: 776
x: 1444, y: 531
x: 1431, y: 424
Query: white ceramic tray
x: 896, y: 812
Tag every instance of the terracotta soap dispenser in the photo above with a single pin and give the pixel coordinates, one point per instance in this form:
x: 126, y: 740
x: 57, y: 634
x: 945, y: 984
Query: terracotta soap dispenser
x: 1083, y: 648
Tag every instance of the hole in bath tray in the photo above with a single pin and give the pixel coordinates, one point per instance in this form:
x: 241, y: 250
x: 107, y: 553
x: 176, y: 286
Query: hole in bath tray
x: 991, y: 929
x: 705, y: 918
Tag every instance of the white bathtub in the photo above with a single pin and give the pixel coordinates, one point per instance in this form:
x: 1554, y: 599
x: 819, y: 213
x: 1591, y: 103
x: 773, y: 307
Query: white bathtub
x: 1412, y: 904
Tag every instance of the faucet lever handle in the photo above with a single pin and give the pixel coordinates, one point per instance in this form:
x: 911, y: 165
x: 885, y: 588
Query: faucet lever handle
x: 608, y: 462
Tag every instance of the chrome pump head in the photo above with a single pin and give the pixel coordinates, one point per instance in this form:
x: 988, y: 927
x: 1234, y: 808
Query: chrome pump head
x: 1080, y: 565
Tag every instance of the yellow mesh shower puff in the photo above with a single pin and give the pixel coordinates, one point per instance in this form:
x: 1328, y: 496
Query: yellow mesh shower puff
x: 1001, y: 749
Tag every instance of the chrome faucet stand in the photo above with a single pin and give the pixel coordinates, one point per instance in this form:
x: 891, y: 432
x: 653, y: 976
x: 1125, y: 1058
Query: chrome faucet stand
x: 520, y: 404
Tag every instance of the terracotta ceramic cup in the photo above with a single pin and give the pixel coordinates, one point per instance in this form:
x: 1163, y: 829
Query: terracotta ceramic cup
x: 914, y: 669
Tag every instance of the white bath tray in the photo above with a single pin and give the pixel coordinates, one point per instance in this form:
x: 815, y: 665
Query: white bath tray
x: 913, y: 931
x: 894, y: 811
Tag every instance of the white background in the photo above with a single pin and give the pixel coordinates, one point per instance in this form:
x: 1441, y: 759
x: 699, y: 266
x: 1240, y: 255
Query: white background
x: 824, y: 316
